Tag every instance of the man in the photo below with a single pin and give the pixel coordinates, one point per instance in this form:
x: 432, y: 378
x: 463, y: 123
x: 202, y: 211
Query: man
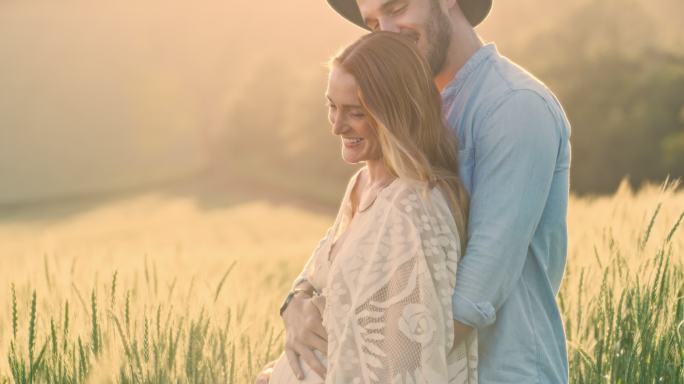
x: 514, y: 161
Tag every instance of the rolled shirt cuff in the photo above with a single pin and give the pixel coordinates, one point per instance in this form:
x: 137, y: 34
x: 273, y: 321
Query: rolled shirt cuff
x: 476, y: 315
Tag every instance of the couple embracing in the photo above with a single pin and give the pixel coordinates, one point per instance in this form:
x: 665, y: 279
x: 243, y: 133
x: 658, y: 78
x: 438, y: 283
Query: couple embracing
x: 448, y: 250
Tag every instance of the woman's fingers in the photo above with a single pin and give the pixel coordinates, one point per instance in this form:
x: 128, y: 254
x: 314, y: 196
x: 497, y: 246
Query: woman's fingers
x: 293, y: 360
x: 305, y: 333
x: 316, y: 326
x: 314, y: 341
x: 312, y: 361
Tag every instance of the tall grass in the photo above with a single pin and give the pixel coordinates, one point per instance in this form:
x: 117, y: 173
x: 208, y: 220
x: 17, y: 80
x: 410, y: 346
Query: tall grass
x: 187, y: 315
x: 134, y: 345
x: 632, y: 330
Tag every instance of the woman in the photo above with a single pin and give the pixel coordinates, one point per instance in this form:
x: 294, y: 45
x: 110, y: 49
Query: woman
x: 385, y: 272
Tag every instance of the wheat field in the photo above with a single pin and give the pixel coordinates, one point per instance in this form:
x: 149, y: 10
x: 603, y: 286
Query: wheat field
x: 157, y: 288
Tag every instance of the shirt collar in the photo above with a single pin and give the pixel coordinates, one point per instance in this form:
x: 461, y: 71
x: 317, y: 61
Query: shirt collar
x: 483, y: 53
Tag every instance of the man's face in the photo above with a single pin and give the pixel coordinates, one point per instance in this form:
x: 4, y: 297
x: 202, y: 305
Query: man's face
x: 422, y: 20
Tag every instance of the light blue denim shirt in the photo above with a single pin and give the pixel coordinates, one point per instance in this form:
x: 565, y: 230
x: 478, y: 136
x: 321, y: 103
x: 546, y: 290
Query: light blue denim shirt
x: 514, y: 160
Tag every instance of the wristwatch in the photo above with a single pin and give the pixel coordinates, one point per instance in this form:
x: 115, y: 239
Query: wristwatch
x: 289, y: 298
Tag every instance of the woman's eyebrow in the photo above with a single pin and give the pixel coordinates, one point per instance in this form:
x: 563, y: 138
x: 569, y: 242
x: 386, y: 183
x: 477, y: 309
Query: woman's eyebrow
x: 343, y: 105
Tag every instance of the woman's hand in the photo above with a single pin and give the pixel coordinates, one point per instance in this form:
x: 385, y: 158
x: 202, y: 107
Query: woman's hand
x: 304, y: 334
x: 265, y: 375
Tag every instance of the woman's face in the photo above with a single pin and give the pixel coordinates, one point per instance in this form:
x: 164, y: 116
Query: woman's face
x: 349, y: 120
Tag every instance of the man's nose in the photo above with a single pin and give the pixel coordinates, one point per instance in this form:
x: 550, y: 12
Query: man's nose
x: 388, y: 25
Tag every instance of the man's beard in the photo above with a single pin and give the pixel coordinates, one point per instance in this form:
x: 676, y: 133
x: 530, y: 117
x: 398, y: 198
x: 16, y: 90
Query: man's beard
x: 438, y: 32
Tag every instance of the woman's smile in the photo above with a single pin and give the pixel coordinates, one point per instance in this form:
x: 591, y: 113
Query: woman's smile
x: 351, y: 142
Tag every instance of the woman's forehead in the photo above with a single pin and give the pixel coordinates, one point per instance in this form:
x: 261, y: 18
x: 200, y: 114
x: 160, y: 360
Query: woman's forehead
x: 342, y: 87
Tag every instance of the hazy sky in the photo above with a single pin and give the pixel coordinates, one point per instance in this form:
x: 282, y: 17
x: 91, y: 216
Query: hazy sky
x: 95, y: 95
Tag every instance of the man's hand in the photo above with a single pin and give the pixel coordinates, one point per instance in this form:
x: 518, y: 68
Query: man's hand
x: 304, y: 334
x: 461, y: 332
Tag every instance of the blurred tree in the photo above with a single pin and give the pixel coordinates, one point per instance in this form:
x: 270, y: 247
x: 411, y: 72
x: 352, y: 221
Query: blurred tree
x: 623, y: 94
x: 673, y: 148
x: 278, y: 133
x: 623, y: 90
x: 255, y: 121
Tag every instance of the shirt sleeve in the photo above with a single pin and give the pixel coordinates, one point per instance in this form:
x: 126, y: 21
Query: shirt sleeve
x: 515, y: 157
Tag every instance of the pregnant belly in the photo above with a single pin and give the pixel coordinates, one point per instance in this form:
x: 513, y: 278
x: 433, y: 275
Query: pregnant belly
x: 282, y: 373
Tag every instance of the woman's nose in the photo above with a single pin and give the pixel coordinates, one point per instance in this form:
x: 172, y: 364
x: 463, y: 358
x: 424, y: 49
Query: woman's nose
x: 338, y: 124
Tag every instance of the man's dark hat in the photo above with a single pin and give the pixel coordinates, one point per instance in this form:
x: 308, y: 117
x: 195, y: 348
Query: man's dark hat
x: 474, y: 10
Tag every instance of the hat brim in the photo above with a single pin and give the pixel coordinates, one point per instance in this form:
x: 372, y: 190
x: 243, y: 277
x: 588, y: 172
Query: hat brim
x: 474, y: 10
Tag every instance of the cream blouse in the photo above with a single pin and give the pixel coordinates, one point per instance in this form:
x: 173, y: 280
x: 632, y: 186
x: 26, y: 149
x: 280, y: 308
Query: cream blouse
x: 387, y: 288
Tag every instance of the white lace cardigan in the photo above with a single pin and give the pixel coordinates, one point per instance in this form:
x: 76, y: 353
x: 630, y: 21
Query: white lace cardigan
x: 388, y: 289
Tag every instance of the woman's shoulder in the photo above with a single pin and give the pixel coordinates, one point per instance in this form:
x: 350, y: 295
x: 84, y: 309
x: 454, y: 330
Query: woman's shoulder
x: 412, y: 196
x: 415, y: 189
x: 417, y: 204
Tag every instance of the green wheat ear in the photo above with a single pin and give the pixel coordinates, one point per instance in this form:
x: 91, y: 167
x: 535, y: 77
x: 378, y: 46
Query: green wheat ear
x: 674, y: 228
x: 82, y: 360
x: 127, y: 312
x: 647, y: 233
x: 15, y: 313
x: 146, y: 343
x: 112, y: 301
x: 47, y: 271
x: 223, y: 280
x: 32, y: 330
x: 53, y: 336
x: 232, y: 365
x: 65, y: 328
x: 95, y: 338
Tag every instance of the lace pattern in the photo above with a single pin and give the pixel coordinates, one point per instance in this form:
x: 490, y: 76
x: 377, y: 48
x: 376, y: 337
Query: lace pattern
x: 388, y: 290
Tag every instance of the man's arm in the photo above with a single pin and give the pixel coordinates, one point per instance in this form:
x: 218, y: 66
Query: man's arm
x: 515, y: 159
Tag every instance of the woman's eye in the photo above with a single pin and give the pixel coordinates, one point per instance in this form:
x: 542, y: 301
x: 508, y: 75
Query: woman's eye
x: 358, y: 115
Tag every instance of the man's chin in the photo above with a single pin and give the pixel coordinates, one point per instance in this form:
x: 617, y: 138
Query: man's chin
x: 436, y: 62
x: 415, y: 37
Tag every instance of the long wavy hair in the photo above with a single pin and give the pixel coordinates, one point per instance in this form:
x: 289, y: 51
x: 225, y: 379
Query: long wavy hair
x: 397, y: 91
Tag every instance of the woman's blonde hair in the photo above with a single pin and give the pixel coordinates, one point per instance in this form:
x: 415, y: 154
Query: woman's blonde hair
x: 396, y: 89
